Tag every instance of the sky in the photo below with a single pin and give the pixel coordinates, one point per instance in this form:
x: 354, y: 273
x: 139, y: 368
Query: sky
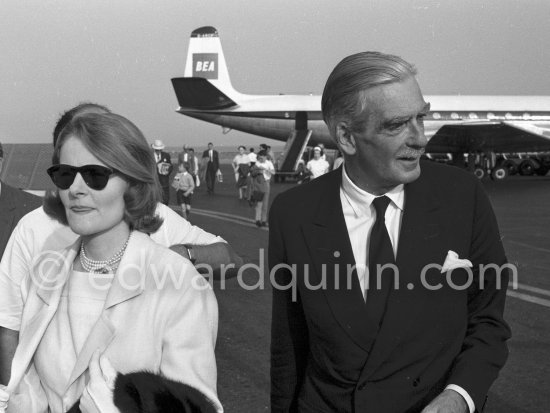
x: 123, y: 53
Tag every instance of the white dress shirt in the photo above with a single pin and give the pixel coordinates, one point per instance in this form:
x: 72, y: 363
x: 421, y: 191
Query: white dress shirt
x: 360, y: 215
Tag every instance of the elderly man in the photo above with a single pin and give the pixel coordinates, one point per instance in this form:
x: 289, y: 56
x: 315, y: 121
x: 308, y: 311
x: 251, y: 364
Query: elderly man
x: 389, y: 275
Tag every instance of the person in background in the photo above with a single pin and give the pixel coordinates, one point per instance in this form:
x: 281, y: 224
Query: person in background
x: 183, y: 156
x: 14, y: 204
x: 164, y: 169
x: 193, y: 166
x: 37, y: 232
x: 184, y: 184
x: 241, y: 164
x: 266, y: 168
x: 70, y: 349
x: 362, y: 328
x: 270, y: 156
x: 212, y: 165
x: 252, y: 156
x: 323, y: 152
x: 302, y: 174
x: 317, y: 166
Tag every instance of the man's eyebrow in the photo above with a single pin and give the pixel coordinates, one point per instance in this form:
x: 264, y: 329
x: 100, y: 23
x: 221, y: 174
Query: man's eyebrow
x: 399, y: 119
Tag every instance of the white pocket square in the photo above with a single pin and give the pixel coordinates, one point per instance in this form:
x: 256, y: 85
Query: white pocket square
x: 452, y: 261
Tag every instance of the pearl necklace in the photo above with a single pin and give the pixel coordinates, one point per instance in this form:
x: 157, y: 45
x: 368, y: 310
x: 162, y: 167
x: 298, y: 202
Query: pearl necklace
x: 102, y: 266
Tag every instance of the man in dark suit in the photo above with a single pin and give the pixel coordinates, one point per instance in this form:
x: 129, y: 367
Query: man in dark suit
x: 164, y: 168
x: 389, y: 276
x: 14, y: 203
x: 211, y: 158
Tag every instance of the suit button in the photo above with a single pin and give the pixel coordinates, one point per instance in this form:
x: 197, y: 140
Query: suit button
x: 416, y: 382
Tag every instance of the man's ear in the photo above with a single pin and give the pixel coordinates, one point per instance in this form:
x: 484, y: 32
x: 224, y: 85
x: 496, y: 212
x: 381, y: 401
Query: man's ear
x: 344, y: 139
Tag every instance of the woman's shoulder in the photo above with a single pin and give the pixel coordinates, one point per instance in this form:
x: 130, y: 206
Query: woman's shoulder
x: 161, y: 267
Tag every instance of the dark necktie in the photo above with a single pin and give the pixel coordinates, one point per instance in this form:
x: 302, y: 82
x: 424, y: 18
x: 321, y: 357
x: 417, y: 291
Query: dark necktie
x: 380, y: 253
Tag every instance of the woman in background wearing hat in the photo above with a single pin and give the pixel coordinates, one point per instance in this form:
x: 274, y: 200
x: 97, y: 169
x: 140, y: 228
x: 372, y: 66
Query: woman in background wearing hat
x: 317, y: 166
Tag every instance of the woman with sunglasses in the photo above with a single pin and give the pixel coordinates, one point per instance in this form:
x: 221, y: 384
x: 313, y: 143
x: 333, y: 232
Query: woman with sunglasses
x: 115, y: 302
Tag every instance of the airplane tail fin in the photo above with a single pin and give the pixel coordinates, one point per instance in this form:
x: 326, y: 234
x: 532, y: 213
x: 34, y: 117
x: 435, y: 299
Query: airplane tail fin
x: 199, y: 93
x: 206, y: 83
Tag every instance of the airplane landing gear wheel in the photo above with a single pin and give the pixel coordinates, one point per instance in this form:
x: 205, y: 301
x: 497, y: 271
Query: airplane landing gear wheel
x: 542, y: 170
x: 479, y: 173
x: 526, y: 168
x: 499, y: 173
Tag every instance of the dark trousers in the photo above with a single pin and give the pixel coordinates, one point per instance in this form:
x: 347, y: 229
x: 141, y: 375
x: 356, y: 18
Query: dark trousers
x: 165, y: 195
x: 210, y: 177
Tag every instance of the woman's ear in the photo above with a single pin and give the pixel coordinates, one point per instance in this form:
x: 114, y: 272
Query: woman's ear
x: 345, y: 139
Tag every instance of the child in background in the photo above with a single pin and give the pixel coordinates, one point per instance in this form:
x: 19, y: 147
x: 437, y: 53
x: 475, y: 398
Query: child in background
x: 184, y: 185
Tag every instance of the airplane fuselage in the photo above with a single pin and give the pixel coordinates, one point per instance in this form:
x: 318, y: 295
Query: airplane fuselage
x: 275, y: 116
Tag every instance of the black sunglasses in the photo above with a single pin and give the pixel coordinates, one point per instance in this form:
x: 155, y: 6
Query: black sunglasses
x: 95, y: 176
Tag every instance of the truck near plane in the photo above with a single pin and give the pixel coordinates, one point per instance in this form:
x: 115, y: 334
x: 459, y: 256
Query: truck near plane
x: 482, y: 127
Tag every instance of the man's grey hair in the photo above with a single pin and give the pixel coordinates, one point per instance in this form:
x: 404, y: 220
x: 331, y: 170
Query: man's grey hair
x: 344, y: 97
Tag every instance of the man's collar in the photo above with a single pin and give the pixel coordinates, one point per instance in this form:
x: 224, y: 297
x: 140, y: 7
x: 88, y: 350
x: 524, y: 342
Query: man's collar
x: 360, y: 200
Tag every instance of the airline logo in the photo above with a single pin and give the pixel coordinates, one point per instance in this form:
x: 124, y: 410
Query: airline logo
x: 205, y: 65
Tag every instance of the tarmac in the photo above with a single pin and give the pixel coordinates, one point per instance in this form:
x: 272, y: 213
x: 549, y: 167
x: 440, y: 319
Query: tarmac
x: 522, y: 208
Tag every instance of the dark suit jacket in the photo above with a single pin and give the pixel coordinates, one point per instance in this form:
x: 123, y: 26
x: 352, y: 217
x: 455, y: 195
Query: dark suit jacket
x: 322, y: 354
x: 215, y: 158
x: 164, y: 179
x: 14, y: 204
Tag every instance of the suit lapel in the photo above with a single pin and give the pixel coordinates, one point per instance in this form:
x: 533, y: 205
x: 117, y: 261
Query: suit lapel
x: 417, y: 228
x: 127, y: 284
x: 329, y: 245
x: 101, y: 335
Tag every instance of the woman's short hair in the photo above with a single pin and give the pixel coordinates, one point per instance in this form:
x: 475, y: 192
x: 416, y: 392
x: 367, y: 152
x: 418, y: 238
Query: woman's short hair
x: 120, y: 145
x: 67, y: 116
x: 344, y: 97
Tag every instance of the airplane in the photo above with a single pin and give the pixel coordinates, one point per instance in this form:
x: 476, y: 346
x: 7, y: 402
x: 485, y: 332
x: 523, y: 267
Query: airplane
x: 482, y: 126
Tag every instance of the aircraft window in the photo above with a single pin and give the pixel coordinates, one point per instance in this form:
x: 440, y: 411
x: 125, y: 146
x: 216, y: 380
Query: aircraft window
x: 508, y: 116
x: 472, y: 115
x: 436, y: 115
x: 454, y: 115
x: 526, y: 116
x: 491, y: 115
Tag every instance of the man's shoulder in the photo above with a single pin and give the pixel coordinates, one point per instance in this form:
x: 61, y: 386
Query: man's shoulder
x: 307, y: 195
x: 37, y: 227
x: 445, y: 177
x: 24, y: 201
